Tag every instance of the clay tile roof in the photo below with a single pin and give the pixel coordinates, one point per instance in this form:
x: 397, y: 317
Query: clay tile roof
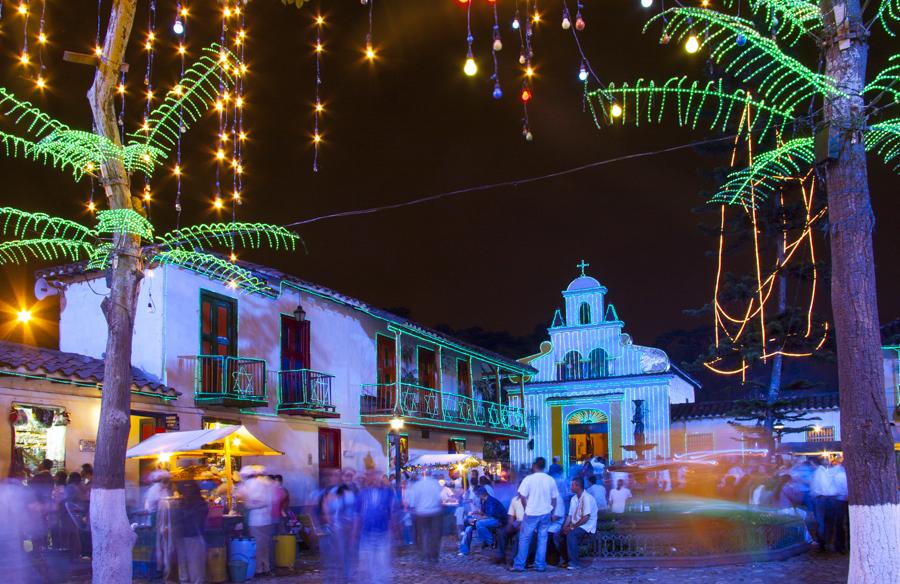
x: 53, y: 364
x: 723, y: 409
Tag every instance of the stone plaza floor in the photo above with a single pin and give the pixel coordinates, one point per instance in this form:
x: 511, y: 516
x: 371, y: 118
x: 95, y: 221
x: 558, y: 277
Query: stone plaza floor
x: 811, y: 568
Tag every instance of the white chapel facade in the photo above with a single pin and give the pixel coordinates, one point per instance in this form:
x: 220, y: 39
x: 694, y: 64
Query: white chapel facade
x: 592, y: 380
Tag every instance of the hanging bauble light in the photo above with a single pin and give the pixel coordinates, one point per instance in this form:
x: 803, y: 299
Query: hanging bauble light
x: 178, y: 27
x: 526, y: 95
x: 579, y: 23
x: 470, y: 68
x: 498, y: 93
x: 582, y: 74
x: 498, y: 44
x: 515, y: 24
x: 566, y: 23
x: 692, y: 45
x: 646, y: 3
x: 741, y: 40
x: 616, y: 110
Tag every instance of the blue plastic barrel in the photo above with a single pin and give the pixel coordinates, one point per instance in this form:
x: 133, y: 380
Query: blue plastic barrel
x: 243, y: 549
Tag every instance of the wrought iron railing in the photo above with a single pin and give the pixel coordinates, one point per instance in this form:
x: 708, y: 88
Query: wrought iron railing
x: 218, y: 377
x: 304, y: 389
x: 695, y: 539
x: 424, y: 403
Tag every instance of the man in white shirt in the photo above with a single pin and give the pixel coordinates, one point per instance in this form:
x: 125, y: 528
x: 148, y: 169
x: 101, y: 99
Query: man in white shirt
x: 823, y: 491
x: 581, y: 523
x: 839, y: 478
x: 538, y: 493
x: 618, y: 497
x: 598, y: 491
x: 424, y: 499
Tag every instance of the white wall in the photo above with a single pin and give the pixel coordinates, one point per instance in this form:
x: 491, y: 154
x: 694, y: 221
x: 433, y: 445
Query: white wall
x: 343, y: 344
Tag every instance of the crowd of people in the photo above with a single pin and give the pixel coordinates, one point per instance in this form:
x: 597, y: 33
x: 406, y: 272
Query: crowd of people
x: 359, y: 520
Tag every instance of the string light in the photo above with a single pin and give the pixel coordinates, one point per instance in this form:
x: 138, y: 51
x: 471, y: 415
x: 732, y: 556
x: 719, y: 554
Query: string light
x: 318, y: 108
x: 497, y: 92
x: 178, y: 25
x: 470, y: 68
x: 370, y: 48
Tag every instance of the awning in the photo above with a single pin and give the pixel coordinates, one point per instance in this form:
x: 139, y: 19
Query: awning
x: 464, y: 458
x: 200, y: 442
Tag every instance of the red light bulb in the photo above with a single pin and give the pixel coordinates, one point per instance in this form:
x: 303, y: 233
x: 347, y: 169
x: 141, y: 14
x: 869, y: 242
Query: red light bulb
x: 526, y: 95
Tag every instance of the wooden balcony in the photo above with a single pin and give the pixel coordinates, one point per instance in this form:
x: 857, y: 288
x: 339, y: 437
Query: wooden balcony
x: 304, y: 392
x: 430, y: 408
x: 238, y: 382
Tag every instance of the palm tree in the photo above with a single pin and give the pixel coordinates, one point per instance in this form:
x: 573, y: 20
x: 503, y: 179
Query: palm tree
x: 825, y: 122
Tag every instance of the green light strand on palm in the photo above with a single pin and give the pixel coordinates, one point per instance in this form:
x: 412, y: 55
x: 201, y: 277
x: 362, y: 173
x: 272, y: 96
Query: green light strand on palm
x: 788, y: 20
x: 750, y: 57
x: 21, y: 224
x: 648, y: 101
x: 187, y: 102
x: 23, y: 113
x: 768, y: 171
x: 248, y: 235
x: 889, y: 10
x: 884, y: 140
x: 41, y: 237
x: 886, y: 82
x: 215, y: 268
x: 53, y: 142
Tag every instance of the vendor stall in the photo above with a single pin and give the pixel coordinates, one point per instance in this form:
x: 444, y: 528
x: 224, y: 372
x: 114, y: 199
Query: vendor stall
x: 227, y: 442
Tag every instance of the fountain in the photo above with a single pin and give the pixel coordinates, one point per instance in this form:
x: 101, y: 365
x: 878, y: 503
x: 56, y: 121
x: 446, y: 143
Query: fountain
x: 640, y: 445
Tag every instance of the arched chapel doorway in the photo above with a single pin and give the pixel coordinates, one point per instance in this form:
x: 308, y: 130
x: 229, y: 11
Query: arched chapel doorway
x: 588, y: 433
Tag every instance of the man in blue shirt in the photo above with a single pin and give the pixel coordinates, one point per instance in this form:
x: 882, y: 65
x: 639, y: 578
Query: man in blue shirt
x: 492, y: 515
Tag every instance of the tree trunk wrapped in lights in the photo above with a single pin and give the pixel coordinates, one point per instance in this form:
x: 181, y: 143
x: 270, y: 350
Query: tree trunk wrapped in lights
x: 833, y: 119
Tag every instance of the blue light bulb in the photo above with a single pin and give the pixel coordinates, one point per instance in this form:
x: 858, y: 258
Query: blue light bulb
x: 741, y: 40
x: 498, y: 93
x: 178, y: 27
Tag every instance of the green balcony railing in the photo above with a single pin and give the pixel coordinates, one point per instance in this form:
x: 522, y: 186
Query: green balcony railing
x: 305, y: 392
x: 225, y: 380
x: 426, y: 404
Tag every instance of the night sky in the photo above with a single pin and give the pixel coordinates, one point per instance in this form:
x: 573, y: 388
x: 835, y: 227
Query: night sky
x: 413, y: 125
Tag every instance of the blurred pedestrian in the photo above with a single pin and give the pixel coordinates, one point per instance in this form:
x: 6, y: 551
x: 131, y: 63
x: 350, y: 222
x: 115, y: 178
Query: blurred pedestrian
x: 87, y: 473
x: 581, y: 522
x: 618, y: 497
x: 160, y: 487
x: 281, y: 502
x: 823, y: 491
x: 491, y: 515
x: 76, y: 535
x: 190, y: 519
x: 556, y: 468
x: 339, y: 516
x: 376, y: 500
x: 424, y: 501
x: 257, y: 492
x: 841, y: 528
x: 538, y: 493
x: 598, y: 492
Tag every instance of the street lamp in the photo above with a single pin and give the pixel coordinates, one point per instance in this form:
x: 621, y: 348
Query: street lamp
x: 299, y: 314
x: 396, y: 426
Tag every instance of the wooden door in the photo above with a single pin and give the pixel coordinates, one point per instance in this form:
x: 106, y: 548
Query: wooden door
x: 295, y: 356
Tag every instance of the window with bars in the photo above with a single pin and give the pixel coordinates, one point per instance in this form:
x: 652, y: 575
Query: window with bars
x: 699, y: 441
x: 820, y: 435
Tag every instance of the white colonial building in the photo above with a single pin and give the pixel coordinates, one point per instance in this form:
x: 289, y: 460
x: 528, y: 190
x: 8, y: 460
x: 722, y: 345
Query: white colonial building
x: 313, y: 373
x: 591, y: 382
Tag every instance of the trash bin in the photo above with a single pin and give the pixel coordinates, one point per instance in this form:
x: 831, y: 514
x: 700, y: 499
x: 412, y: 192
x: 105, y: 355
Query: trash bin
x: 285, y: 551
x: 237, y: 569
x: 243, y: 549
x: 216, y: 565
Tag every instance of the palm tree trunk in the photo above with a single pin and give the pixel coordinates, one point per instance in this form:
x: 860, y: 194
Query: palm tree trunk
x: 865, y: 431
x: 112, y: 535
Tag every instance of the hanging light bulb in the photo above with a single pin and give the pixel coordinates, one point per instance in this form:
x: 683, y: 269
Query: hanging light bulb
x: 582, y: 73
x: 498, y: 44
x: 529, y: 71
x: 217, y: 203
x: 178, y: 27
x: 470, y: 68
x: 23, y: 8
x: 41, y: 84
x: 515, y: 24
x: 498, y: 93
x: 42, y: 38
x: 616, y: 110
x: 692, y: 45
x: 24, y: 58
x: 370, y: 51
x: 526, y: 95
x: 646, y: 3
x: 566, y: 23
x: 579, y: 23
